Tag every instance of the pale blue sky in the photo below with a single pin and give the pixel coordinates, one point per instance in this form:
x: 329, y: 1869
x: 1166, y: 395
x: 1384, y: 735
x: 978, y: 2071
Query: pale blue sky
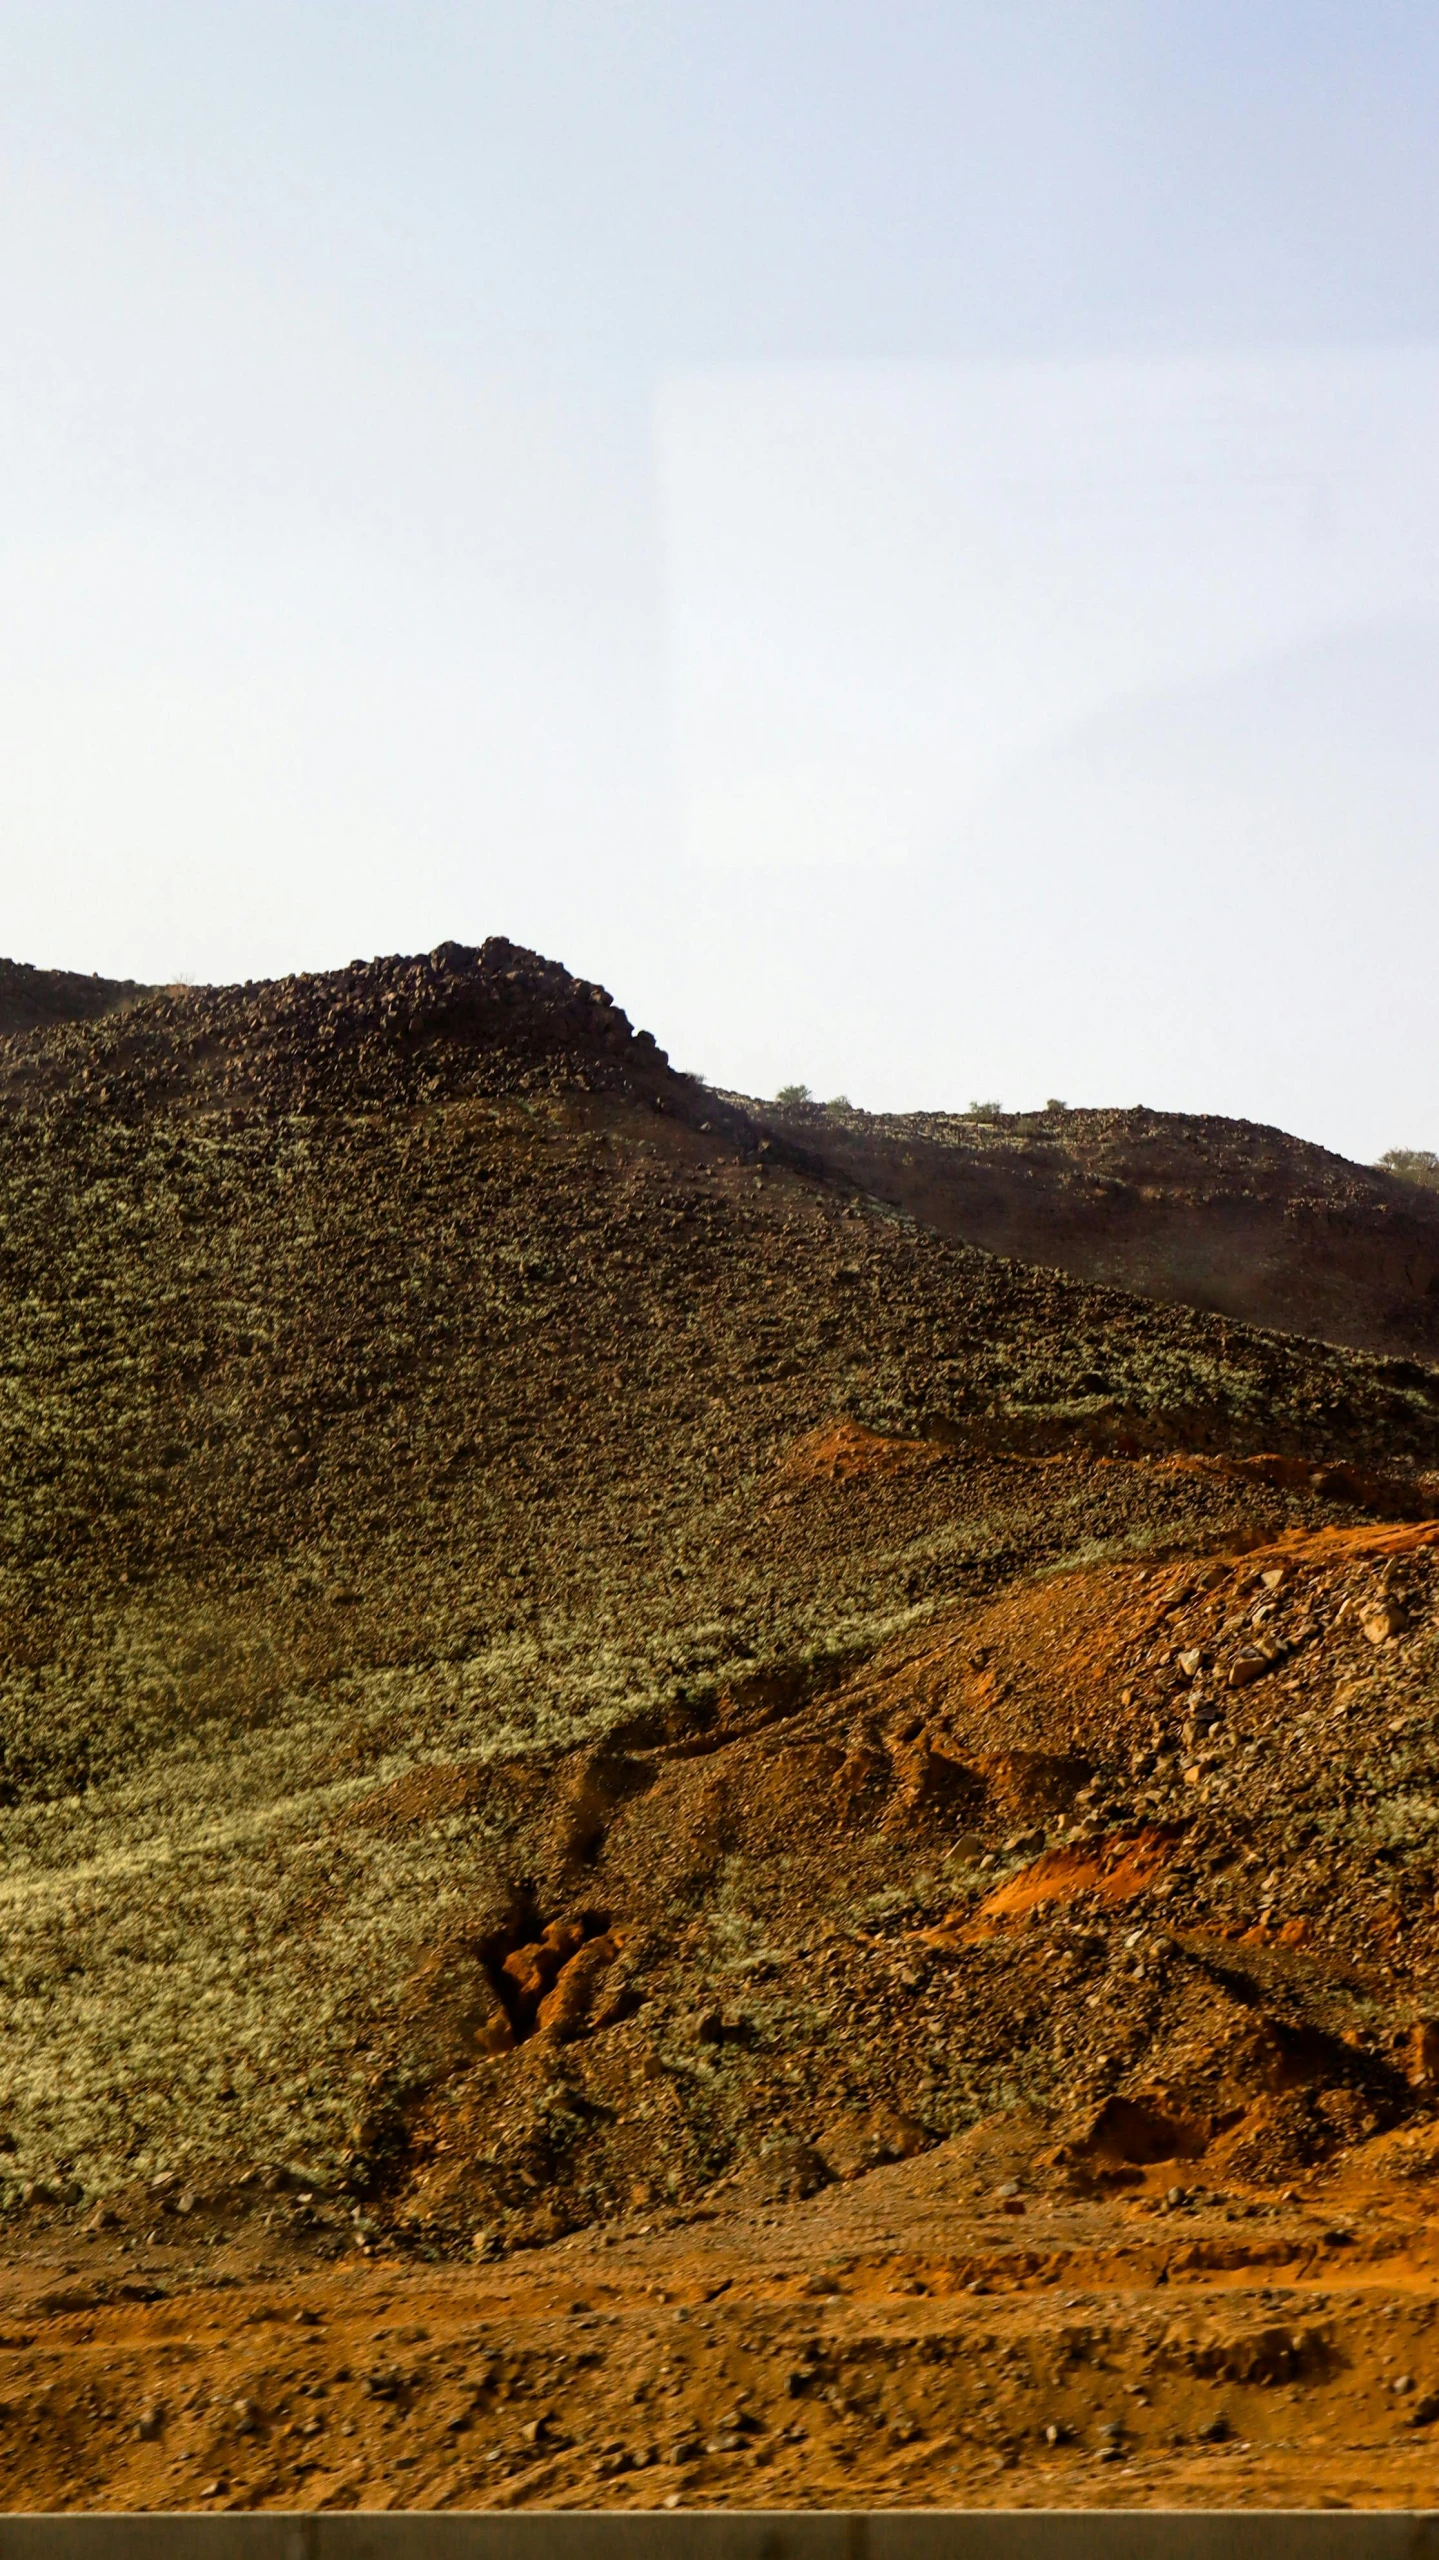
x: 441, y: 486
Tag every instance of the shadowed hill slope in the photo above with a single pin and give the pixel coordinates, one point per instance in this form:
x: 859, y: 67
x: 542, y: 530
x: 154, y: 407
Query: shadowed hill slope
x: 1199, y: 1211
x: 30, y: 998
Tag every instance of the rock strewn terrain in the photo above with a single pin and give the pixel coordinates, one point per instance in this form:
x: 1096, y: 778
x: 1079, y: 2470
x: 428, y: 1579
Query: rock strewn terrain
x: 380, y: 1035
x: 911, y: 2340
x: 567, y: 1672
x: 1086, y: 2148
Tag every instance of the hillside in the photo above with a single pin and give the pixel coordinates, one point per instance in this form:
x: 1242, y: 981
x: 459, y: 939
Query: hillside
x: 32, y: 998
x: 1193, y: 1211
x: 570, y: 1674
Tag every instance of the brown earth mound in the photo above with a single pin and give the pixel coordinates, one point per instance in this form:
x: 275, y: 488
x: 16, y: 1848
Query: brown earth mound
x: 842, y: 1451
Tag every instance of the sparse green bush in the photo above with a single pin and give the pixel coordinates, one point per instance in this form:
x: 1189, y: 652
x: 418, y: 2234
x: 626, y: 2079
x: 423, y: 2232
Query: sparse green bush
x: 986, y: 1111
x: 794, y: 1093
x: 839, y: 1102
x: 1413, y: 1164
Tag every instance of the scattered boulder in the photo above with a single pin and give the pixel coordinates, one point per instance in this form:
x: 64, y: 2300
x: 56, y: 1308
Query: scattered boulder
x: 784, y: 2171
x: 532, y: 1969
x: 1386, y: 1620
x: 861, y: 2139
x: 569, y: 2009
x: 1249, y: 1665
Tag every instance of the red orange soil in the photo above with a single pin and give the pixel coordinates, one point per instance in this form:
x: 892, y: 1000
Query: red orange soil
x: 1115, y: 1872
x: 924, y: 2336
x: 842, y: 1451
x: 1200, y: 2264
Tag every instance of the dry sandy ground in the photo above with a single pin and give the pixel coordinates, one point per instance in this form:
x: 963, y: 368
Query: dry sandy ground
x: 882, y: 2344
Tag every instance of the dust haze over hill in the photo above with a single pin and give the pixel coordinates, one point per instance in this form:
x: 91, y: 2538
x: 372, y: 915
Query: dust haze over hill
x: 1200, y: 1211
x: 544, y: 1609
x: 31, y: 998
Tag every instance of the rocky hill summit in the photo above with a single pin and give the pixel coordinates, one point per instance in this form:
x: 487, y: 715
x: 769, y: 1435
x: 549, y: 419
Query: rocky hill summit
x: 381, y: 1034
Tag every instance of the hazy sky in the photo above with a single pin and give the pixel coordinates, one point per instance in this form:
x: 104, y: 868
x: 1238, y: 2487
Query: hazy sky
x: 904, y: 538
